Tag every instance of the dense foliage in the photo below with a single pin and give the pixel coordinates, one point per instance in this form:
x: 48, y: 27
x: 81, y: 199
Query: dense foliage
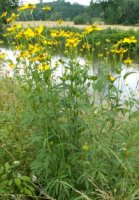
x: 110, y: 11
x: 68, y: 130
x: 116, y: 11
x: 7, y: 6
x: 59, y: 10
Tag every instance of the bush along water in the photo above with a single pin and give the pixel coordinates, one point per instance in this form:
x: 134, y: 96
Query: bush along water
x: 73, y: 135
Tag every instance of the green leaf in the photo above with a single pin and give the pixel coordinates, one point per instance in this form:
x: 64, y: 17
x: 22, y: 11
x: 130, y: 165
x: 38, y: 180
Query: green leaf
x: 17, y: 182
x: 1, y: 170
x: 4, y: 176
x: 30, y: 188
x: 94, y: 78
x: 28, y: 192
x: 127, y: 74
x: 25, y: 178
x: 10, y: 182
x: 7, y: 166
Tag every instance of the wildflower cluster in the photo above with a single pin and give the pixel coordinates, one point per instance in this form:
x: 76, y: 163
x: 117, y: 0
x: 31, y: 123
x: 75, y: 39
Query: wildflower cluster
x: 38, y: 43
x: 119, y: 48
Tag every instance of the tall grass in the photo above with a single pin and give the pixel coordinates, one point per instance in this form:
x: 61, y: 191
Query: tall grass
x: 69, y: 136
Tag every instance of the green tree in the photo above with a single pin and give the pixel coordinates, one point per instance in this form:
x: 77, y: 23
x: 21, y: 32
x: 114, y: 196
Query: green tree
x: 132, y: 12
x: 7, y: 6
x: 81, y: 19
x: 59, y: 9
x: 116, y: 11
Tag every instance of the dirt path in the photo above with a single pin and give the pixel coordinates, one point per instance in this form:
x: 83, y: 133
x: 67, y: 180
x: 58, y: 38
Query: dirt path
x: 71, y: 24
x: 112, y: 26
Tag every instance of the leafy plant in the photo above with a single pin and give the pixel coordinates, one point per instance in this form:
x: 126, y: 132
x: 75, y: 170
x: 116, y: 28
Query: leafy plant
x: 13, y: 182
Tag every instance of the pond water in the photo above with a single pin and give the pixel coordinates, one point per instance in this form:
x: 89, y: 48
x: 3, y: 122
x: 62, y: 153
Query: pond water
x: 128, y: 85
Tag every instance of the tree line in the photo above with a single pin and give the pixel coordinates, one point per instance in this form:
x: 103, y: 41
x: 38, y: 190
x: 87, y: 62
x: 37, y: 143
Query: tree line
x: 115, y: 11
x: 108, y: 11
x: 59, y: 10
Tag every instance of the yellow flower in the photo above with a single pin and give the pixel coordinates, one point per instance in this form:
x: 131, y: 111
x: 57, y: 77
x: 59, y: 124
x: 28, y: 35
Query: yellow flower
x: 3, y: 15
x: 47, y: 8
x: 27, y: 6
x: 43, y: 67
x: 72, y: 42
x: 58, y: 33
x: 85, y: 147
x: 128, y: 61
x: 55, y: 43
x: 86, y: 46
x: 51, y: 42
x: 11, y: 65
x: 111, y: 78
x: 14, y: 27
x: 119, y: 51
x: 33, y: 48
x: 100, y: 55
x: 62, y: 33
x: 54, y: 33
x: 24, y: 54
x: 2, y: 56
x: 113, y: 50
x: 60, y: 21
x: 39, y: 30
x: 129, y: 40
x: 41, y: 57
x: 97, y: 43
x: 12, y: 18
x: 19, y: 35
x: 117, y: 44
x: 91, y: 29
x: 28, y: 33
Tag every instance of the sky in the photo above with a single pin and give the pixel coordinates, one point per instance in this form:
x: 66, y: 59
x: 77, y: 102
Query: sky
x: 83, y: 2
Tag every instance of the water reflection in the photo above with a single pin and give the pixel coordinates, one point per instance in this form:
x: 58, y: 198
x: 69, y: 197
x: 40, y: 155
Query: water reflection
x: 4, y: 69
x: 127, y: 82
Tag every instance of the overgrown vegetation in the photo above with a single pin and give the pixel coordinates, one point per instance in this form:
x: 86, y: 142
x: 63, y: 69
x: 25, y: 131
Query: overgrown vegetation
x: 67, y: 129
